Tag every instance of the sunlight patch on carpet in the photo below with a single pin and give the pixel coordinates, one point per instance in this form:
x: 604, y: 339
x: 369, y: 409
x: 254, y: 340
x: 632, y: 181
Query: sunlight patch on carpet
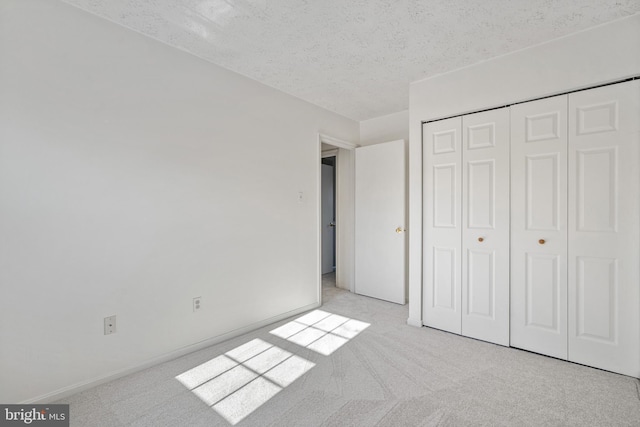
x: 320, y: 331
x: 238, y: 382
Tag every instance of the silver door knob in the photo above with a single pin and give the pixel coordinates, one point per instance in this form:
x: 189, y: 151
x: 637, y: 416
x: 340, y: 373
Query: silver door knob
x: 332, y: 224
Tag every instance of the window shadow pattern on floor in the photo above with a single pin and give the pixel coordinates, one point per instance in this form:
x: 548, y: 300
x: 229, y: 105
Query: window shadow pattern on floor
x: 241, y: 380
x: 320, y: 331
x: 238, y: 382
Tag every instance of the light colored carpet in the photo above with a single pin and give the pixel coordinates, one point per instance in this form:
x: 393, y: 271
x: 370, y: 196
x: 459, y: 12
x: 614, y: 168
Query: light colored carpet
x: 329, y: 280
x: 390, y: 374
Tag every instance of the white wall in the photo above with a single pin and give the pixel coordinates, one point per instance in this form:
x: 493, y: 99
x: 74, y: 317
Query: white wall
x: 385, y: 128
x: 599, y: 55
x: 134, y: 177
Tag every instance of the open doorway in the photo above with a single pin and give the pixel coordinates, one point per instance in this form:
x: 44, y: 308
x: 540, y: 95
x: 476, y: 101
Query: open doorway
x: 336, y: 230
x: 328, y: 218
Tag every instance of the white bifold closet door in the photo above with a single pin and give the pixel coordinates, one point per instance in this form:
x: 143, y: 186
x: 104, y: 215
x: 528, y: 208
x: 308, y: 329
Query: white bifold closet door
x: 604, y: 221
x: 442, y: 217
x: 575, y: 236
x: 552, y: 264
x: 539, y: 226
x: 485, y: 226
x: 466, y: 225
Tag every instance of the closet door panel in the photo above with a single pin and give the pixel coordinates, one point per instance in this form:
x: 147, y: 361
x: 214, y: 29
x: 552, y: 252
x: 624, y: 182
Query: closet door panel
x: 604, y: 237
x: 442, y: 158
x: 539, y: 226
x: 485, y: 226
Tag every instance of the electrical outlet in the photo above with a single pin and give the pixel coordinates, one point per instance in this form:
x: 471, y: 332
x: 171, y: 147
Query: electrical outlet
x: 197, y: 303
x: 110, y: 325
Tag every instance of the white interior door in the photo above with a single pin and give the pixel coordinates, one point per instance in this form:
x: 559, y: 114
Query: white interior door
x: 604, y: 212
x: 485, y: 226
x: 442, y: 186
x: 328, y: 219
x: 380, y: 221
x: 539, y: 226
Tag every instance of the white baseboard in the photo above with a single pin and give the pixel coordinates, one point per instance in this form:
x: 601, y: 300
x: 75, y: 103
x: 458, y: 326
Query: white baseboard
x: 85, y: 385
x: 414, y: 322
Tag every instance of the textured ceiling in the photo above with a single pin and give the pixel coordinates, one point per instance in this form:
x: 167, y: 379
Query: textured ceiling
x: 354, y: 57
